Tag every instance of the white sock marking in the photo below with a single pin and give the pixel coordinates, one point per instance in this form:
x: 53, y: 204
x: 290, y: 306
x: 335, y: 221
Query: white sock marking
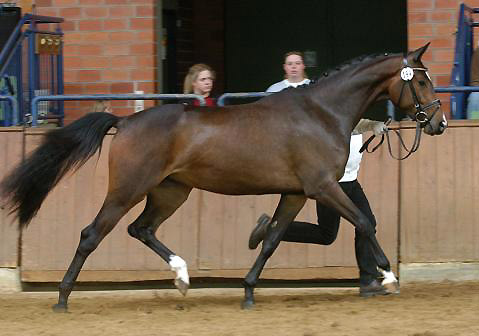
x: 178, y: 265
x: 388, y: 277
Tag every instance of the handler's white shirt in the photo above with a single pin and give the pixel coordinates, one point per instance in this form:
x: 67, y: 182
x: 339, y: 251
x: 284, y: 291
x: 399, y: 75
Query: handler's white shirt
x: 354, y: 159
x: 276, y: 87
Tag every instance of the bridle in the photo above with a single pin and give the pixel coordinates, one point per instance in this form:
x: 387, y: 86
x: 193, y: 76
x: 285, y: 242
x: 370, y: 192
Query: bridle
x: 407, y: 74
x: 420, y: 116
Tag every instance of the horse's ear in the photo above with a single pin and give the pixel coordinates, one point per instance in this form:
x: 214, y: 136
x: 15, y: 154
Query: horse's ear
x: 417, y: 54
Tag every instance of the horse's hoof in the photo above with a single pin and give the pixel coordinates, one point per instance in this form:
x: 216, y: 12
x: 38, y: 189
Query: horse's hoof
x: 247, y: 304
x: 182, y: 286
x: 392, y: 287
x: 59, y: 308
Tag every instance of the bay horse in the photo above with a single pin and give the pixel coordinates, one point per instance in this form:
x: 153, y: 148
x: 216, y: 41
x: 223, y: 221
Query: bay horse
x: 294, y: 143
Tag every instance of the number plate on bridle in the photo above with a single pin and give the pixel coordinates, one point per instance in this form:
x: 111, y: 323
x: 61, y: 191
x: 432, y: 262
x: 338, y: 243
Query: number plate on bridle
x: 407, y: 73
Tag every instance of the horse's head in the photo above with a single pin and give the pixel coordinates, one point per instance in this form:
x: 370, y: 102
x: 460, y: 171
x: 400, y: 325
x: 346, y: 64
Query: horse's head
x: 412, y: 91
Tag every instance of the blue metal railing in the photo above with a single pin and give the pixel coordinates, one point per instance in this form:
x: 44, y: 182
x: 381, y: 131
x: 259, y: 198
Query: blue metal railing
x: 17, y: 32
x: 462, y: 61
x: 10, y: 119
x: 460, y: 74
x: 12, y: 65
x: 454, y: 89
x: 37, y: 99
x: 242, y: 95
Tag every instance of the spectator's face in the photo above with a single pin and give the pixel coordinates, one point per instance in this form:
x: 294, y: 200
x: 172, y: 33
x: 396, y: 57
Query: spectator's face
x: 203, y: 83
x: 294, y: 68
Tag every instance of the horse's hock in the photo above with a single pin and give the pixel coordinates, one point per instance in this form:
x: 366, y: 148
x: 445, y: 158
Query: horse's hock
x: 415, y: 202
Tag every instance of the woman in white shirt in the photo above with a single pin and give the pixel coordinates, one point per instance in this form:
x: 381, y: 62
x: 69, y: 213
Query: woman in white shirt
x: 326, y: 231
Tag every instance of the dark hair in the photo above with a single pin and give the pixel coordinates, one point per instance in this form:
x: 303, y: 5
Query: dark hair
x: 299, y: 53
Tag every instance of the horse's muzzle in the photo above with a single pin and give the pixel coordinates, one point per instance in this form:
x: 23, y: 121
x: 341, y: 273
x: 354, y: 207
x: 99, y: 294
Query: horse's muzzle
x: 442, y: 126
x: 432, y: 128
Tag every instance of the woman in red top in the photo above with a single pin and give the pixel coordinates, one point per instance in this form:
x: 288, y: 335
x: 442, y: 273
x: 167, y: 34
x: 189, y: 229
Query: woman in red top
x: 199, y: 80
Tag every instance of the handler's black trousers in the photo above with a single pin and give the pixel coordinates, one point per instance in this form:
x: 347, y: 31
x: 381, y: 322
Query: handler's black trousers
x: 326, y: 231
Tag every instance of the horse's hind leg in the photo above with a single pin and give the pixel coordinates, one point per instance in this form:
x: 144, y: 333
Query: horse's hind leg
x: 161, y: 203
x: 288, y: 207
x: 110, y: 213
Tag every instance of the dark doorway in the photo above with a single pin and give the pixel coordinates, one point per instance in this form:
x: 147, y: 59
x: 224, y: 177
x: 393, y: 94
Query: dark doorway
x: 170, y: 71
x: 259, y: 33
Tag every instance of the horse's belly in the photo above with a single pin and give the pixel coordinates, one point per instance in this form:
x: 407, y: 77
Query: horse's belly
x: 239, y: 183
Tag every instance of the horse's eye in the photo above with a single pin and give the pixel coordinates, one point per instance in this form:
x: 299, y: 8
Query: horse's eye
x: 422, y: 83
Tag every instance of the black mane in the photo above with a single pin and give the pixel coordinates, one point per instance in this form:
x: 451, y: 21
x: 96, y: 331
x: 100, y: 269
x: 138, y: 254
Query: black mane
x: 340, y: 67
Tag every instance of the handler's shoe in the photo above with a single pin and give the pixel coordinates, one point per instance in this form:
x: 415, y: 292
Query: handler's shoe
x: 259, y: 232
x: 374, y: 288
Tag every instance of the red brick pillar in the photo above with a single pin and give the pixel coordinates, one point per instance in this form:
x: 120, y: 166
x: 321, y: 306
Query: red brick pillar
x: 109, y: 47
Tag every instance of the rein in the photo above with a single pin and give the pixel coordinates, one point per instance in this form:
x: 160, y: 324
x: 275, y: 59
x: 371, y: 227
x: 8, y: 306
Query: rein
x: 414, y: 147
x: 421, y: 118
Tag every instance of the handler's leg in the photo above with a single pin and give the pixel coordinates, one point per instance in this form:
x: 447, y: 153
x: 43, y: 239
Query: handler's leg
x: 323, y: 233
x: 368, y: 268
x: 330, y: 194
x: 288, y: 208
x: 364, y: 256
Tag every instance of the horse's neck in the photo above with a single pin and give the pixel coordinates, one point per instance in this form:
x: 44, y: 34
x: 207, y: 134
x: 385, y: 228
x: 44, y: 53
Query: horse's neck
x: 372, y: 81
x: 361, y: 85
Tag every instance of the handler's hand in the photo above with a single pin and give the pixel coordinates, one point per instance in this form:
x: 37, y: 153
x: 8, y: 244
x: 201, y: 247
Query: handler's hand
x: 379, y: 128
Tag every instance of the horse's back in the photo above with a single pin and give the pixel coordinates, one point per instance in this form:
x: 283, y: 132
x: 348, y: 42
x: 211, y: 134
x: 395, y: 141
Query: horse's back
x: 242, y: 149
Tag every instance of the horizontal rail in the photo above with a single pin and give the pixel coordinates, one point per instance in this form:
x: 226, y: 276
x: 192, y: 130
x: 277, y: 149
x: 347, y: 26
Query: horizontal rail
x: 453, y: 89
x: 42, y: 19
x: 37, y: 99
x: 443, y: 89
x: 225, y: 96
x: 14, y: 104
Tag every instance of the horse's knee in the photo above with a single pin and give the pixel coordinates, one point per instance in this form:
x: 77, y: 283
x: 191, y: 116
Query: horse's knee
x: 269, y: 245
x: 87, y: 246
x: 365, y: 227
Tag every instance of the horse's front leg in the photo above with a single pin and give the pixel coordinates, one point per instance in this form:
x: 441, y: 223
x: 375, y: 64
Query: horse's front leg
x: 288, y: 207
x: 331, y: 195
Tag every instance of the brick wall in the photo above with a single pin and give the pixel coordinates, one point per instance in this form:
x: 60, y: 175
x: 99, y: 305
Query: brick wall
x: 110, y: 44
x: 435, y: 21
x: 109, y: 47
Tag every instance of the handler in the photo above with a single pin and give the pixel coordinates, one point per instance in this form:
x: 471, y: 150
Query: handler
x: 326, y: 231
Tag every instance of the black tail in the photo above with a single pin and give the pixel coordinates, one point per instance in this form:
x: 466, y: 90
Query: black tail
x: 27, y: 186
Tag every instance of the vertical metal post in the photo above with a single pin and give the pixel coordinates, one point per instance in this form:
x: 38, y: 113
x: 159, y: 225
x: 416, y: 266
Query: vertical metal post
x: 32, y: 78
x: 459, y: 73
x: 159, y: 45
x: 60, y: 83
x: 19, y: 75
